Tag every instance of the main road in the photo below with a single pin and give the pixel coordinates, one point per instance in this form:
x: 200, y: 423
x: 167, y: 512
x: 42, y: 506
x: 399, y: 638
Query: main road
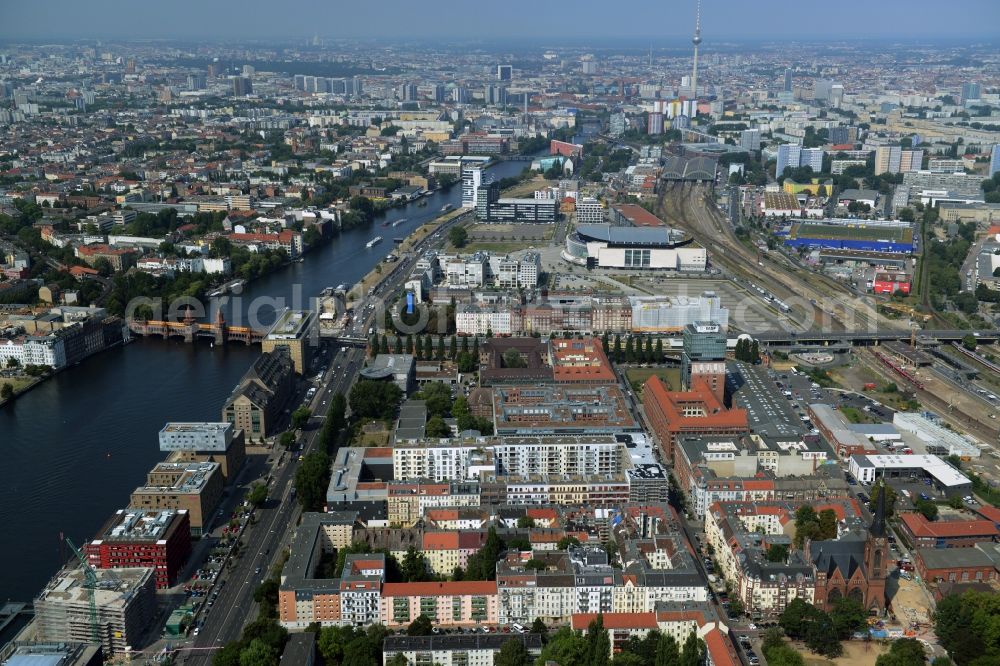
x: 263, y: 540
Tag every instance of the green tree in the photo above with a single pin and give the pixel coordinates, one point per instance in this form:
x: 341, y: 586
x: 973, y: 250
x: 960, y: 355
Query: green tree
x: 970, y: 342
x: 904, y: 652
x: 827, y: 524
x: 512, y: 653
x: 776, y: 553
x: 399, y: 659
x: 414, y: 566
x: 539, y: 627
x: 512, y: 359
x: 968, y: 627
x: 566, y: 542
x: 693, y: 653
x: 258, y: 494
x: 466, y: 362
x: 436, y: 428
x: 928, y: 508
x: 6, y: 391
x: 482, y: 565
x: 736, y: 606
x: 287, y: 439
x: 458, y: 236
x: 374, y: 399
x: 598, y: 643
x: 668, y: 653
x: 421, y: 626
x: 890, y: 498
x: 300, y: 417
x: 258, y: 653
x: 525, y: 522
x: 311, y: 479
x: 453, y: 348
x: 565, y: 647
x: 437, y: 396
x: 848, y: 616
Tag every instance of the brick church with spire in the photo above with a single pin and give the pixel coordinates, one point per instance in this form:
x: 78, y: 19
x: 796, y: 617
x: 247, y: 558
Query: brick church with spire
x: 853, y: 566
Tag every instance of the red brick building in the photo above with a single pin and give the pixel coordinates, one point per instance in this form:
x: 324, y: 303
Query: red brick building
x: 565, y: 148
x: 695, y: 412
x: 160, y: 540
x: 958, y: 565
x: 923, y: 533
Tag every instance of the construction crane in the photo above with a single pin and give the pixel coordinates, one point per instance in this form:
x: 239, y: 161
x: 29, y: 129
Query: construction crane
x: 91, y: 583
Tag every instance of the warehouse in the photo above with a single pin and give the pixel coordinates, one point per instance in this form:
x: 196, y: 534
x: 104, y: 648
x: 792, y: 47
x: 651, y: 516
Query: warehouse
x: 943, y: 477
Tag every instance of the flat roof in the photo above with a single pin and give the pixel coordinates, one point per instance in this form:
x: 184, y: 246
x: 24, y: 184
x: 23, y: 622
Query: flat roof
x: 637, y: 215
x: 194, y: 426
x: 291, y: 324
x: 661, y: 236
x: 933, y: 465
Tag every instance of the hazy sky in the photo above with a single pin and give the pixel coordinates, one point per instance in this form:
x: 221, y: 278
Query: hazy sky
x: 458, y: 19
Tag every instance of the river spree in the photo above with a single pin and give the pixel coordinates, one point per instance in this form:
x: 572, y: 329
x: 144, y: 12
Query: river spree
x: 75, y: 447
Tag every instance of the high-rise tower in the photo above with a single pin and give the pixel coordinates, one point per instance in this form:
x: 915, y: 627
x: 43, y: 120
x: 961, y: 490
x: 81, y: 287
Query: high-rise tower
x: 696, y: 40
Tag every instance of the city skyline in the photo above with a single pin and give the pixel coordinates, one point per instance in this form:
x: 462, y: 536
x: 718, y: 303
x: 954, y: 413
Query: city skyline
x: 722, y: 19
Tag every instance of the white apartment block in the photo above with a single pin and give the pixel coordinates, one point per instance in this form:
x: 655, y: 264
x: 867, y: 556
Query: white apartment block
x: 540, y: 456
x: 47, y: 350
x: 475, y: 320
x: 437, y: 463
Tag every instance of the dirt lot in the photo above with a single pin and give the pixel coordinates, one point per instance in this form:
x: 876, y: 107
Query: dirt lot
x: 372, y: 434
x: 501, y: 232
x: 856, y: 653
x: 528, y: 187
x: 909, y: 602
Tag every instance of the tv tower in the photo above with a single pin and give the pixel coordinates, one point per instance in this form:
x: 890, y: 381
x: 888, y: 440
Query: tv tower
x: 696, y: 40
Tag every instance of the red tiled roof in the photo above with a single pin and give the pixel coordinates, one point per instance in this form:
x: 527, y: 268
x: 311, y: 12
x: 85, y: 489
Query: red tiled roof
x: 717, y: 414
x: 989, y: 512
x: 440, y: 541
x: 720, y: 649
x: 921, y: 527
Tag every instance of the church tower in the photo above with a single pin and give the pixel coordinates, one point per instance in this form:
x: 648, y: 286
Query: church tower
x: 877, y: 556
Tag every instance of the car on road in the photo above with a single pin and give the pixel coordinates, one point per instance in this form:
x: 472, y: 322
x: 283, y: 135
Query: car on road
x: 257, y: 570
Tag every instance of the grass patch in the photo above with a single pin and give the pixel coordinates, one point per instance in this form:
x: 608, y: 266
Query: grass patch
x: 370, y: 433
x: 19, y: 383
x: 855, y: 415
x: 671, y: 377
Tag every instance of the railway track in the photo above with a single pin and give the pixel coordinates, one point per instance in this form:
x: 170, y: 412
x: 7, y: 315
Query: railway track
x: 688, y: 207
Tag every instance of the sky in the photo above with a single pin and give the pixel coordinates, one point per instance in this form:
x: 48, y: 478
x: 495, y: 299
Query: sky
x: 457, y: 20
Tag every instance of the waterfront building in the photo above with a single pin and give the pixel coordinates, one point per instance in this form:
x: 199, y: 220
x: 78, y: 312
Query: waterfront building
x: 258, y: 400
